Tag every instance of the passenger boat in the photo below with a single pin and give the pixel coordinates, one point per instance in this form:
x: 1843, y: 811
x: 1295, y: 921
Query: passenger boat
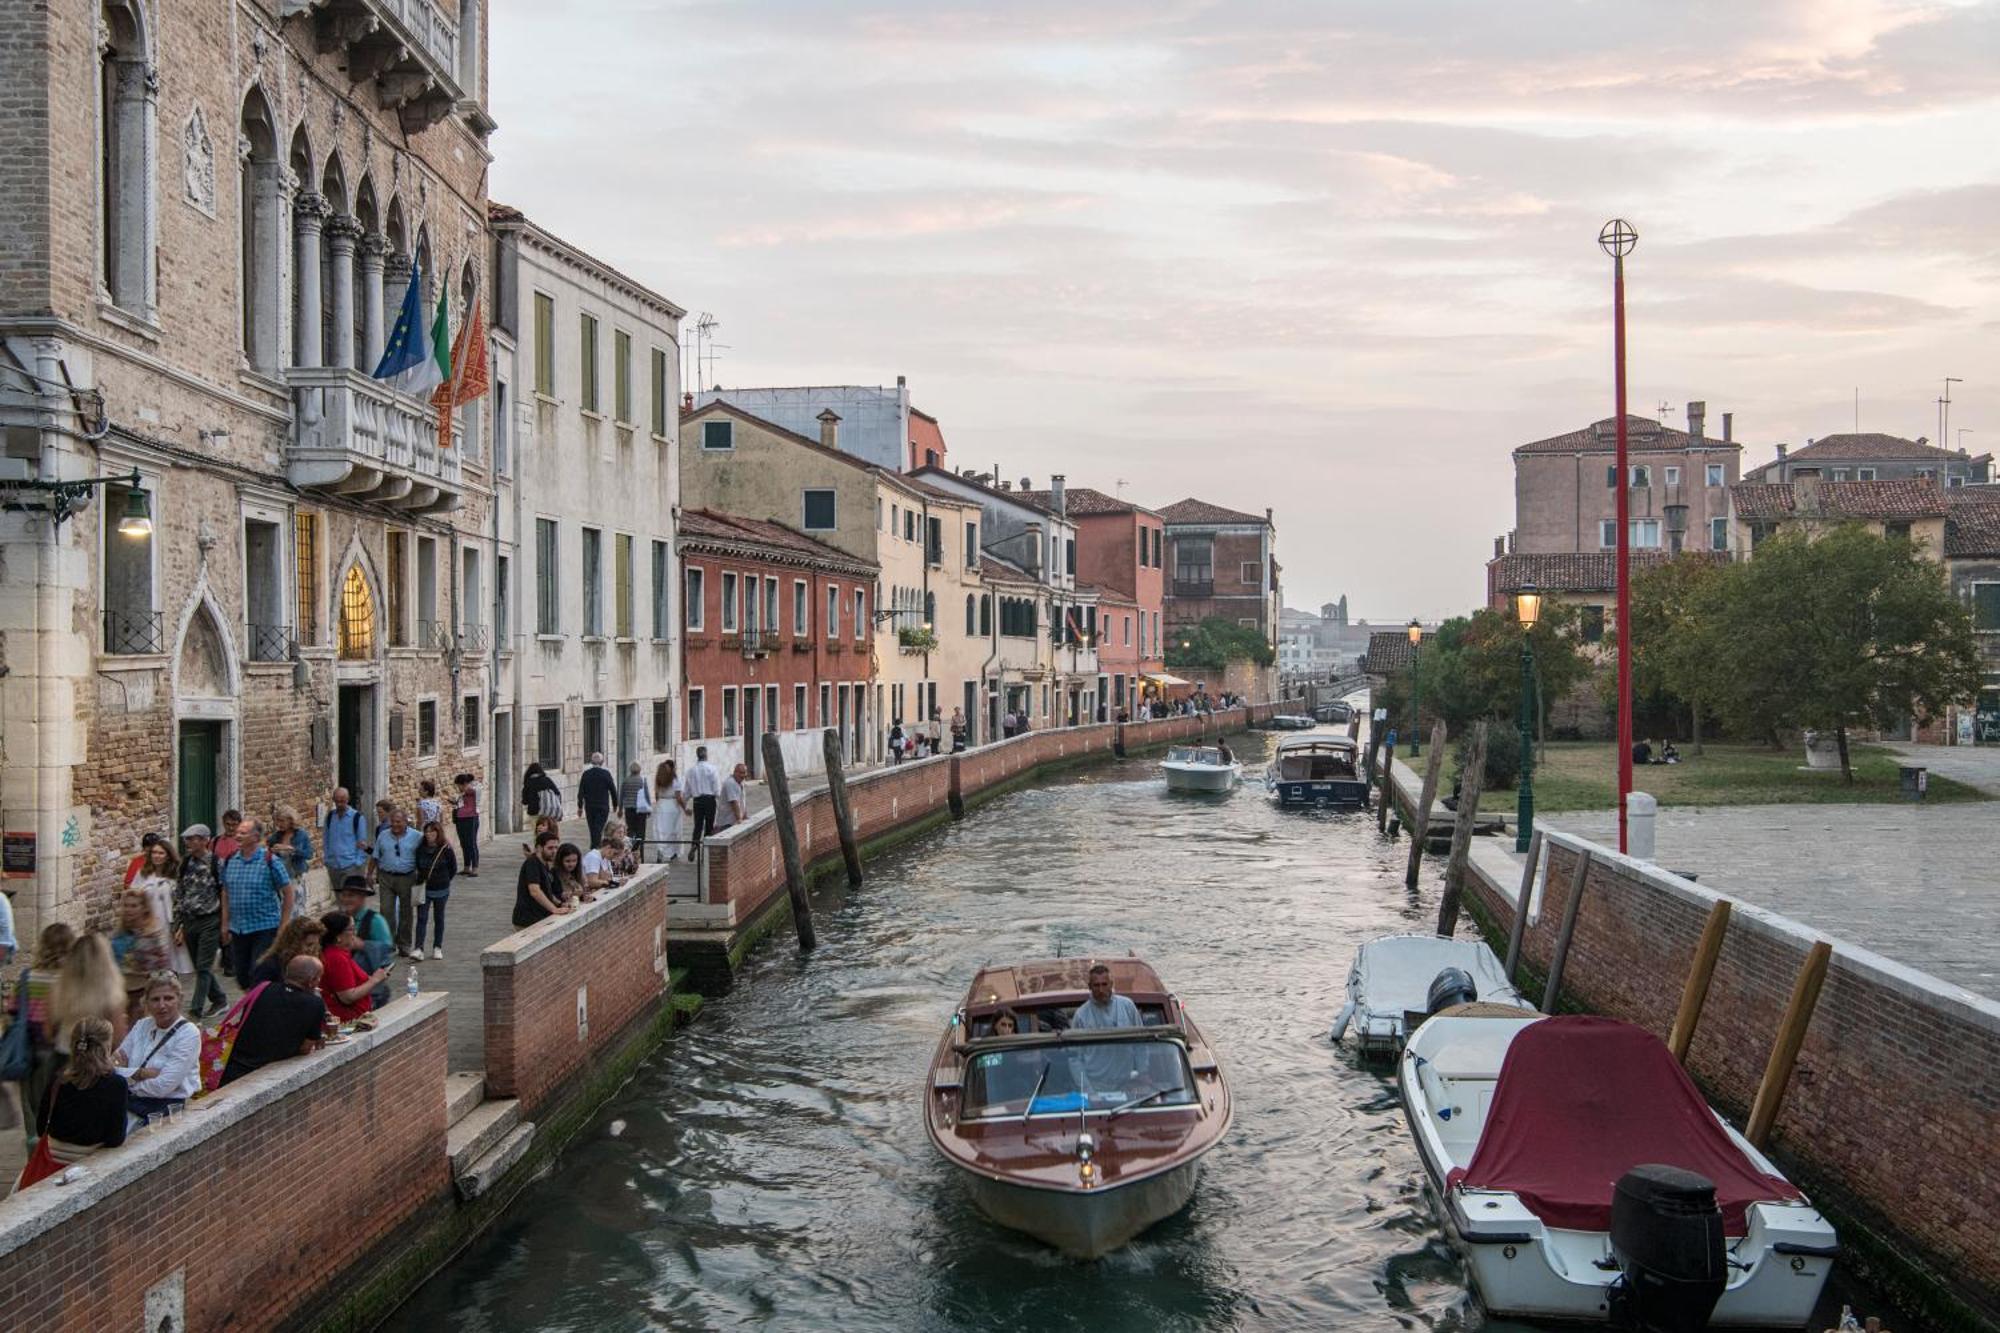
x: 1399, y: 979
x: 1291, y: 722
x: 1202, y: 768
x: 1585, y: 1179
x: 1082, y: 1139
x: 1316, y: 771
x: 1338, y: 713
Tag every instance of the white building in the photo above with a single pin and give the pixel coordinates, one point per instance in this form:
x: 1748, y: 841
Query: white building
x: 874, y: 421
x: 587, y: 646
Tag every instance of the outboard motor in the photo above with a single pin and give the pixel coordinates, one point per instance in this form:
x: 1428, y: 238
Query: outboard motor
x: 1449, y: 987
x: 1666, y: 1234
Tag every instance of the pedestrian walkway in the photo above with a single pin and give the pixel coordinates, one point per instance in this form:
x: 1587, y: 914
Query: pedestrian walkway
x: 1974, y: 765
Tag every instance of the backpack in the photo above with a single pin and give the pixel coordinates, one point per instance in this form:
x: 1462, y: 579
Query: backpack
x: 216, y: 1046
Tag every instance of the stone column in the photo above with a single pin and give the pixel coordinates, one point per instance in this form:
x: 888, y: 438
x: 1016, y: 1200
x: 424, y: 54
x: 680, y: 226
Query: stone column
x: 341, y: 234
x: 308, y: 213
x: 373, y: 248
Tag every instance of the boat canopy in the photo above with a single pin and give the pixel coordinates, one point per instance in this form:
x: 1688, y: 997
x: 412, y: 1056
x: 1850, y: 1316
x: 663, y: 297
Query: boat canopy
x: 1581, y: 1101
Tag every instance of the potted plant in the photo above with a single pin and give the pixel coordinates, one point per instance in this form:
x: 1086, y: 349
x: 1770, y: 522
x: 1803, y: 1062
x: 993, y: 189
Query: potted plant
x: 917, y: 639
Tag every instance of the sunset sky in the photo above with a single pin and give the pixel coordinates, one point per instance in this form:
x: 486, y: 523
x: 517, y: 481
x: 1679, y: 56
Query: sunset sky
x: 1335, y: 258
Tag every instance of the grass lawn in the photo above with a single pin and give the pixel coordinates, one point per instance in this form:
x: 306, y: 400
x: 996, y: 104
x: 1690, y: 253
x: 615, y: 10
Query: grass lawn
x: 1583, y: 775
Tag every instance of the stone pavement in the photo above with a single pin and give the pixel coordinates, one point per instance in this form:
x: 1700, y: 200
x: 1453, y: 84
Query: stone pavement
x: 1915, y: 883
x: 1974, y: 765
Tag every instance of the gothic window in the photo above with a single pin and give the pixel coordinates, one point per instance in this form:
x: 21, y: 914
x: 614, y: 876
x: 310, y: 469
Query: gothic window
x: 127, y: 104
x: 357, y: 618
x: 258, y: 252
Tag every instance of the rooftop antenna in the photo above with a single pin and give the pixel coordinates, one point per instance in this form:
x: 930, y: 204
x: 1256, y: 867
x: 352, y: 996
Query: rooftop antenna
x: 705, y: 348
x: 1857, y: 409
x: 1944, y: 410
x: 1122, y: 484
x: 1665, y: 408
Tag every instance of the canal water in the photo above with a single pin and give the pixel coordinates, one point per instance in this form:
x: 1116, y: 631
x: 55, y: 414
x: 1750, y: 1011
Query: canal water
x: 770, y: 1168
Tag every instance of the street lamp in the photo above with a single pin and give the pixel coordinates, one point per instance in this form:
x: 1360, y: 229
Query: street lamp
x: 1527, y: 610
x: 1416, y: 732
x: 66, y: 497
x: 1618, y: 239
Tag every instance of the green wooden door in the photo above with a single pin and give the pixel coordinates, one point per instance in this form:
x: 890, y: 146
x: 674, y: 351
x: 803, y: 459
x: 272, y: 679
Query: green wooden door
x: 201, y: 749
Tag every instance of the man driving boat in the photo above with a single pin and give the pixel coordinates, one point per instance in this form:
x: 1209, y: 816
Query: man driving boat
x: 1105, y: 1068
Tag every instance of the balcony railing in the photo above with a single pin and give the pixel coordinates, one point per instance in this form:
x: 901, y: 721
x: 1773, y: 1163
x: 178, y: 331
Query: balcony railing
x: 756, y: 643
x: 408, y: 48
x: 1194, y: 587
x: 354, y: 436
x: 472, y: 638
x: 270, y: 643
x: 434, y: 636
x: 130, y: 633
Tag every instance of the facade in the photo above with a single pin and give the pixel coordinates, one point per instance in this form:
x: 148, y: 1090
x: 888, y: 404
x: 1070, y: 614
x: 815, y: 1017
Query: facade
x: 1120, y: 667
x: 587, y: 657
x: 206, y: 318
x: 769, y: 647
x: 1566, y: 496
x: 1120, y: 550
x: 876, y: 424
x: 1871, y: 456
x: 1222, y: 563
x: 1972, y: 552
x: 1018, y: 682
x: 1915, y: 509
x: 947, y: 601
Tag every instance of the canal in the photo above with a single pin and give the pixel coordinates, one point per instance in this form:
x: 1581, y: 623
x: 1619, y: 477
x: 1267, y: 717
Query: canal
x: 770, y: 1168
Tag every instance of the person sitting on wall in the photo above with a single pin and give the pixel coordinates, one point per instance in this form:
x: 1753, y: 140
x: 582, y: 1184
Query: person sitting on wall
x: 536, y: 894
x: 301, y: 935
x: 160, y: 1058
x: 344, y: 985
x: 286, y: 1021
x: 84, y: 1109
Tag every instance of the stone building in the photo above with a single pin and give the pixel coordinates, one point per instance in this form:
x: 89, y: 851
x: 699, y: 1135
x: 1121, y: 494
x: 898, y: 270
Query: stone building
x: 1566, y: 490
x: 1972, y: 553
x: 587, y: 658
x: 1811, y: 504
x: 1872, y: 456
x: 206, y: 217
x: 1223, y: 563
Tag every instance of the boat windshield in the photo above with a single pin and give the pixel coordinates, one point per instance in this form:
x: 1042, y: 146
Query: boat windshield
x: 1090, y: 1077
x: 1193, y: 754
x: 1315, y: 766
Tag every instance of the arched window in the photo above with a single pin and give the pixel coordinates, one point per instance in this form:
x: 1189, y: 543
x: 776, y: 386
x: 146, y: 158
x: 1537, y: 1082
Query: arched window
x: 367, y: 277
x: 308, y: 217
x: 258, y: 246
x: 336, y: 269
x: 127, y: 105
x: 971, y: 617
x: 930, y: 610
x: 357, y: 618
x: 985, y: 614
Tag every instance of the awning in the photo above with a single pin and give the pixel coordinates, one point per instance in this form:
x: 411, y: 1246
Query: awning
x: 1164, y: 679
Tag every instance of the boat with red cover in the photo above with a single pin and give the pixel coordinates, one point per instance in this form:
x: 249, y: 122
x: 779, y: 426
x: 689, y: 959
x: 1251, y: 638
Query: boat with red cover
x: 1585, y: 1178
x: 1080, y: 1138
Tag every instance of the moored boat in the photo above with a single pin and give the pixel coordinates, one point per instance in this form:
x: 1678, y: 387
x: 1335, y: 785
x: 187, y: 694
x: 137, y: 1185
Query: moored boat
x: 1201, y: 768
x: 1082, y: 1139
x: 1397, y: 980
x: 1316, y: 771
x: 1585, y: 1179
x: 1291, y: 722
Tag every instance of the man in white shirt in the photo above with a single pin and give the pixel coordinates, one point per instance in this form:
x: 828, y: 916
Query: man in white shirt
x: 160, y: 1057
x: 1105, y: 1068
x: 1105, y: 1008
x: 732, y: 809
x: 702, y: 785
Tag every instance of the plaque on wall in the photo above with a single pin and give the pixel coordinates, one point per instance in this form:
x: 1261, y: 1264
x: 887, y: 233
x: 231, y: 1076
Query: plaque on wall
x: 17, y: 855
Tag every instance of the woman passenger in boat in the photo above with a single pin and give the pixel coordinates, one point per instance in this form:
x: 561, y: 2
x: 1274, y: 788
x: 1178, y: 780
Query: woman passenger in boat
x: 1004, y: 1024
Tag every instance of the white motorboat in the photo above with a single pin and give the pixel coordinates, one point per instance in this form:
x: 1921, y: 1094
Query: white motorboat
x: 1292, y: 722
x: 1585, y: 1179
x: 1201, y: 768
x: 1398, y: 979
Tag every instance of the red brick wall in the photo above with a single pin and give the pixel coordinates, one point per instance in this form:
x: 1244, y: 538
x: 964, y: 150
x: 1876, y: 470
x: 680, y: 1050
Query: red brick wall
x: 1892, y: 1102
x: 260, y: 1208
x: 614, y: 951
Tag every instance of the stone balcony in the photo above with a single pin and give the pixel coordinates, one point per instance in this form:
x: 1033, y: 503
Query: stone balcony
x: 354, y: 436
x: 409, y: 49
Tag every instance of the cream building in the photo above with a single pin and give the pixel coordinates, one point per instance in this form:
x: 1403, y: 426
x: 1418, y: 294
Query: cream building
x: 204, y: 227
x: 586, y: 480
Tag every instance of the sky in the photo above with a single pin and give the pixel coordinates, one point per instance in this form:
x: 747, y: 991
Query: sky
x: 1332, y: 258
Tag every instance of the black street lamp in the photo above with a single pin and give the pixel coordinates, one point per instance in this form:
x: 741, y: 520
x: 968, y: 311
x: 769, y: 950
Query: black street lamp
x: 1527, y: 610
x: 66, y: 497
x: 1416, y: 730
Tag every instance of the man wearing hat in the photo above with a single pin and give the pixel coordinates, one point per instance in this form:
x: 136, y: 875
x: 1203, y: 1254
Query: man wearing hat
x: 378, y: 947
x: 198, y: 917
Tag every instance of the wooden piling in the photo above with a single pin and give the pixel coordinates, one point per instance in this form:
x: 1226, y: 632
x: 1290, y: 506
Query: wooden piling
x: 1552, y: 989
x: 1785, y: 1050
x: 1420, y: 819
x: 843, y: 817
x: 1386, y: 775
x: 1375, y: 734
x: 1700, y: 973
x: 1519, y: 929
x: 788, y: 839
x: 1470, y: 779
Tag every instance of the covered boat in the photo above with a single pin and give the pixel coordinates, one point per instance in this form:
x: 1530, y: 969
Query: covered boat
x: 1316, y: 771
x: 1202, y: 768
x: 1082, y: 1139
x: 1291, y: 722
x: 1585, y: 1178
x: 1398, y: 980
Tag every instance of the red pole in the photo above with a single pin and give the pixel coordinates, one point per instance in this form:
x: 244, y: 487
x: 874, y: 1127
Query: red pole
x: 1624, y: 556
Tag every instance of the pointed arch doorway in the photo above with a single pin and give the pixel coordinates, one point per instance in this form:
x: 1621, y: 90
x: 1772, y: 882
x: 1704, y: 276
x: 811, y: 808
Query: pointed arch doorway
x: 359, y: 751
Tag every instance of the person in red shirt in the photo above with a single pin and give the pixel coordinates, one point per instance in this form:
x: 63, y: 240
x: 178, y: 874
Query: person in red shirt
x: 133, y: 866
x: 344, y: 986
x: 227, y: 845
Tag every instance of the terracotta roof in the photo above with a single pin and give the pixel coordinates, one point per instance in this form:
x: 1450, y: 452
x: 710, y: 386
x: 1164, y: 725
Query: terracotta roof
x: 999, y: 571
x: 1972, y: 523
x: 1201, y: 511
x: 1868, y: 446
x: 1642, y: 435
x: 1570, y: 571
x: 1082, y: 501
x: 939, y: 493
x: 1905, y: 499
x: 1390, y: 651
x: 706, y: 525
x: 729, y: 409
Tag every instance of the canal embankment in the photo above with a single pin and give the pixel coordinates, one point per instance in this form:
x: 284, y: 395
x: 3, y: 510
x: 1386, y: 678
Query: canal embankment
x: 1889, y: 1117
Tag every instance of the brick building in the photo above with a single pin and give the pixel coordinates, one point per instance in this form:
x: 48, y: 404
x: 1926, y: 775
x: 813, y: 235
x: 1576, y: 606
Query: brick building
x: 1566, y: 493
x: 1220, y: 562
x: 204, y: 225
x: 1972, y: 553
x: 1809, y: 503
x: 770, y: 644
x: 1120, y: 548
x: 1872, y: 456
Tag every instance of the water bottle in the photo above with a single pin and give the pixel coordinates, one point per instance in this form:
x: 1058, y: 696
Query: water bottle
x: 410, y: 986
x: 1848, y: 1321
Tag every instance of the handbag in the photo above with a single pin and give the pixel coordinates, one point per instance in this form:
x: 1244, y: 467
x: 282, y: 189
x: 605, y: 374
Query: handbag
x: 17, y: 1047
x: 552, y: 806
x: 41, y: 1163
x: 217, y: 1045
x: 643, y: 804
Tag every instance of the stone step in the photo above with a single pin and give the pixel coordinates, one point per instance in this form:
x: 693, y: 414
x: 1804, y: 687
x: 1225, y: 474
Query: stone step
x: 481, y: 1175
x: 462, y: 1095
x: 471, y: 1138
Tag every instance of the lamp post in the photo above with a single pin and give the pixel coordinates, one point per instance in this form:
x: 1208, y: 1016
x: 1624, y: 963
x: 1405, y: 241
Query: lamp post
x: 1416, y: 732
x: 1617, y: 240
x: 66, y: 497
x: 1527, y: 610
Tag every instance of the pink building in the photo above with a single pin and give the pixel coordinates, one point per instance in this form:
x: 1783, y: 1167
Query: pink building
x: 1119, y: 550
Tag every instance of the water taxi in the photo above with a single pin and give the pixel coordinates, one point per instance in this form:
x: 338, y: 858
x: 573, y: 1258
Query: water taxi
x: 1200, y: 768
x: 1316, y: 771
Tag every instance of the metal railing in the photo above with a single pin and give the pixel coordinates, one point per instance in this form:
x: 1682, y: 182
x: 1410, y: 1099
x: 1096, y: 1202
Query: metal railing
x: 270, y: 643
x: 472, y: 638
x: 129, y: 633
x: 755, y: 642
x: 434, y: 636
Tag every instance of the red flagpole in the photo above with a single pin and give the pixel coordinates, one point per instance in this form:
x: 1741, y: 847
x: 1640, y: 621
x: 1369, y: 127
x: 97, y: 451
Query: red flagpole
x: 1622, y: 238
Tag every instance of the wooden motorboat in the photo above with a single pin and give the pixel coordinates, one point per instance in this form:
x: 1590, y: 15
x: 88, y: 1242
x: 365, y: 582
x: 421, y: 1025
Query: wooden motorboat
x: 1398, y: 980
x: 1082, y: 1139
x: 1585, y: 1179
x: 1291, y: 722
x: 1200, y: 768
x: 1316, y: 771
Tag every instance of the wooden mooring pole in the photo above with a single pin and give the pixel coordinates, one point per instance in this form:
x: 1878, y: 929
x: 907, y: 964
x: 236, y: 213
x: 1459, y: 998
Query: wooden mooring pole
x: 1552, y: 989
x: 788, y: 839
x: 1420, y: 818
x: 843, y: 817
x: 1470, y: 779
x: 1785, y: 1050
x: 1386, y: 774
x: 1700, y: 973
x: 1519, y: 929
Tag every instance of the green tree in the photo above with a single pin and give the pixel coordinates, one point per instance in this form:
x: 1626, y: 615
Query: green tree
x: 1471, y: 668
x: 1847, y: 631
x: 1672, y: 648
x: 1215, y: 643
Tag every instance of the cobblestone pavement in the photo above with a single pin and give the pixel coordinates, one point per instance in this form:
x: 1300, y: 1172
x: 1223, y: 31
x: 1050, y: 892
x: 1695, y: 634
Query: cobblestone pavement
x: 1919, y: 884
x: 1975, y: 765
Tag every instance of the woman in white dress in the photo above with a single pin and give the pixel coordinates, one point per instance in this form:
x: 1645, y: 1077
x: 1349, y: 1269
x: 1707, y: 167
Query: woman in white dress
x: 157, y: 877
x: 669, y: 809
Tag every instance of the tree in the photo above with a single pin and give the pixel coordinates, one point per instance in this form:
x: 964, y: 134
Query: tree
x: 1671, y: 651
x: 1215, y: 642
x: 1849, y: 630
x: 1471, y: 668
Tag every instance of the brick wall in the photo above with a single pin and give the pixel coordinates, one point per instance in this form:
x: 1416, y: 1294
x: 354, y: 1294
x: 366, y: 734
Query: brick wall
x: 560, y: 994
x: 1892, y: 1104
x: 241, y: 1195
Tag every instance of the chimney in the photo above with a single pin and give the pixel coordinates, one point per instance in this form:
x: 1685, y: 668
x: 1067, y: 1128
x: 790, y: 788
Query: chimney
x: 1728, y: 427
x: 829, y: 428
x: 1784, y: 473
x: 1697, y: 415
x: 1267, y: 517
x: 1058, y: 494
x: 1027, y: 483
x: 1806, y: 491
x: 1499, y: 547
x: 902, y: 383
x: 1006, y: 485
